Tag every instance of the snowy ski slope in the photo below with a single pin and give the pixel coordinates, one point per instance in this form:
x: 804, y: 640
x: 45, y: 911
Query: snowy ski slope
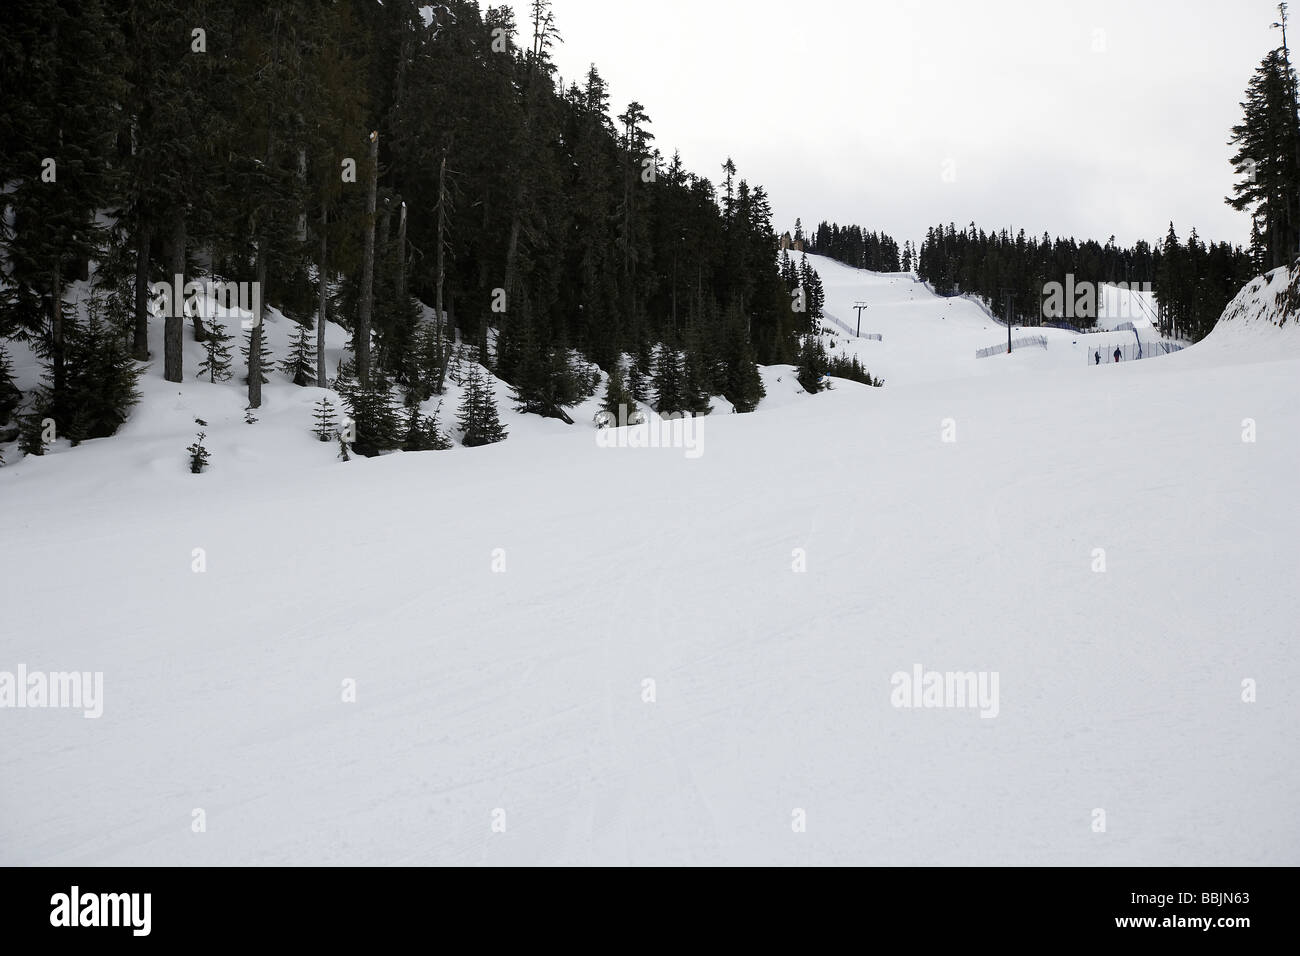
x: 502, y: 610
x: 928, y: 338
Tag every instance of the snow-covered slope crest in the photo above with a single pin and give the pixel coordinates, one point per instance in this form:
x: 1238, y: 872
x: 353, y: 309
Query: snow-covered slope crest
x: 1264, y: 316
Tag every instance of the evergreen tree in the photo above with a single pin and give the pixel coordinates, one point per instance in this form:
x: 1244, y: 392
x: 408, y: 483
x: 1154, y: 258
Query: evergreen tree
x: 522, y: 362
x: 10, y: 395
x: 742, y: 383
x: 1169, y: 276
x: 697, y: 382
x: 745, y: 387
x: 1259, y: 257
x: 816, y: 295
x: 1266, y: 157
x: 422, y: 432
x: 618, y: 401
x: 265, y: 359
x: 456, y: 368
x: 477, y: 416
x: 198, y: 455
x: 374, y: 417
x: 99, y: 384
x: 789, y: 275
x: 102, y: 380
x: 217, y: 363
x: 397, y: 327
x: 345, y: 380
x: 641, y: 372
x: 545, y: 380
x: 412, y: 430
x: 31, y: 433
x: 300, y: 366
x: 850, y: 368
x: 434, y: 436
x: 429, y: 367
x: 669, y: 382
x: 813, y: 364
x: 327, y: 423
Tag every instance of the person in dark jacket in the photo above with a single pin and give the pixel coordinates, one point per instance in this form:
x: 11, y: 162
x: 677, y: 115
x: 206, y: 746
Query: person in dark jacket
x: 1117, y: 353
x: 1098, y: 356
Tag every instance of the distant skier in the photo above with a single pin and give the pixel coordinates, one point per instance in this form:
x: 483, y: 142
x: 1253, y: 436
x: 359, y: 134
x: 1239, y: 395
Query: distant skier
x: 1117, y: 353
x: 1098, y: 356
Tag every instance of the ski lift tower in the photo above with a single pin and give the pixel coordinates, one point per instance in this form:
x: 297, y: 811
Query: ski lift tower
x: 859, y: 306
x: 1008, y: 299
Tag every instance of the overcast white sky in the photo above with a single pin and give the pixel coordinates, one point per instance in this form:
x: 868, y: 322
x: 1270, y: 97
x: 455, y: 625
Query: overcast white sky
x: 851, y: 111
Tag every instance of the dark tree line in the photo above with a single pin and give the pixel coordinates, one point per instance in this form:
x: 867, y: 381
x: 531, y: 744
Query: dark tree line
x: 1195, y: 281
x: 1192, y: 283
x: 355, y: 159
x: 856, y: 247
x: 1004, y: 267
x: 248, y: 142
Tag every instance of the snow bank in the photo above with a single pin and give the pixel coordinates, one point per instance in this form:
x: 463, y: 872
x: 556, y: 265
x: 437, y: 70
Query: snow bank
x: 1261, y: 323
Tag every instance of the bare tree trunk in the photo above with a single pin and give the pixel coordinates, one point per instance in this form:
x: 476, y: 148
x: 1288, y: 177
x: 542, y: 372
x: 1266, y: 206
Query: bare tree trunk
x: 384, y: 234
x: 516, y: 223
x: 255, y: 335
x: 1273, y: 242
x: 362, y: 335
x: 255, y: 338
x: 322, y: 312
x: 57, y: 358
x: 543, y: 33
x: 200, y: 331
x: 512, y: 251
x: 174, y: 325
x: 401, y: 256
x: 451, y: 329
x: 437, y: 304
x: 140, y: 345
x: 627, y: 207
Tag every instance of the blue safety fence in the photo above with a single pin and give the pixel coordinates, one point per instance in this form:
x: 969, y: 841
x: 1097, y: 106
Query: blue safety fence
x: 1132, y: 352
x: 873, y: 336
x: 1027, y: 342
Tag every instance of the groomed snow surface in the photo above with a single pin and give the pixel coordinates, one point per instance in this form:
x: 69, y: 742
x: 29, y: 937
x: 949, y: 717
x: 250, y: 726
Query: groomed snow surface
x: 502, y: 609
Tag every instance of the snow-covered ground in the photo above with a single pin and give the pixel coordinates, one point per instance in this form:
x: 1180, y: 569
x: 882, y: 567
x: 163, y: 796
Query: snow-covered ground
x: 502, y: 609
